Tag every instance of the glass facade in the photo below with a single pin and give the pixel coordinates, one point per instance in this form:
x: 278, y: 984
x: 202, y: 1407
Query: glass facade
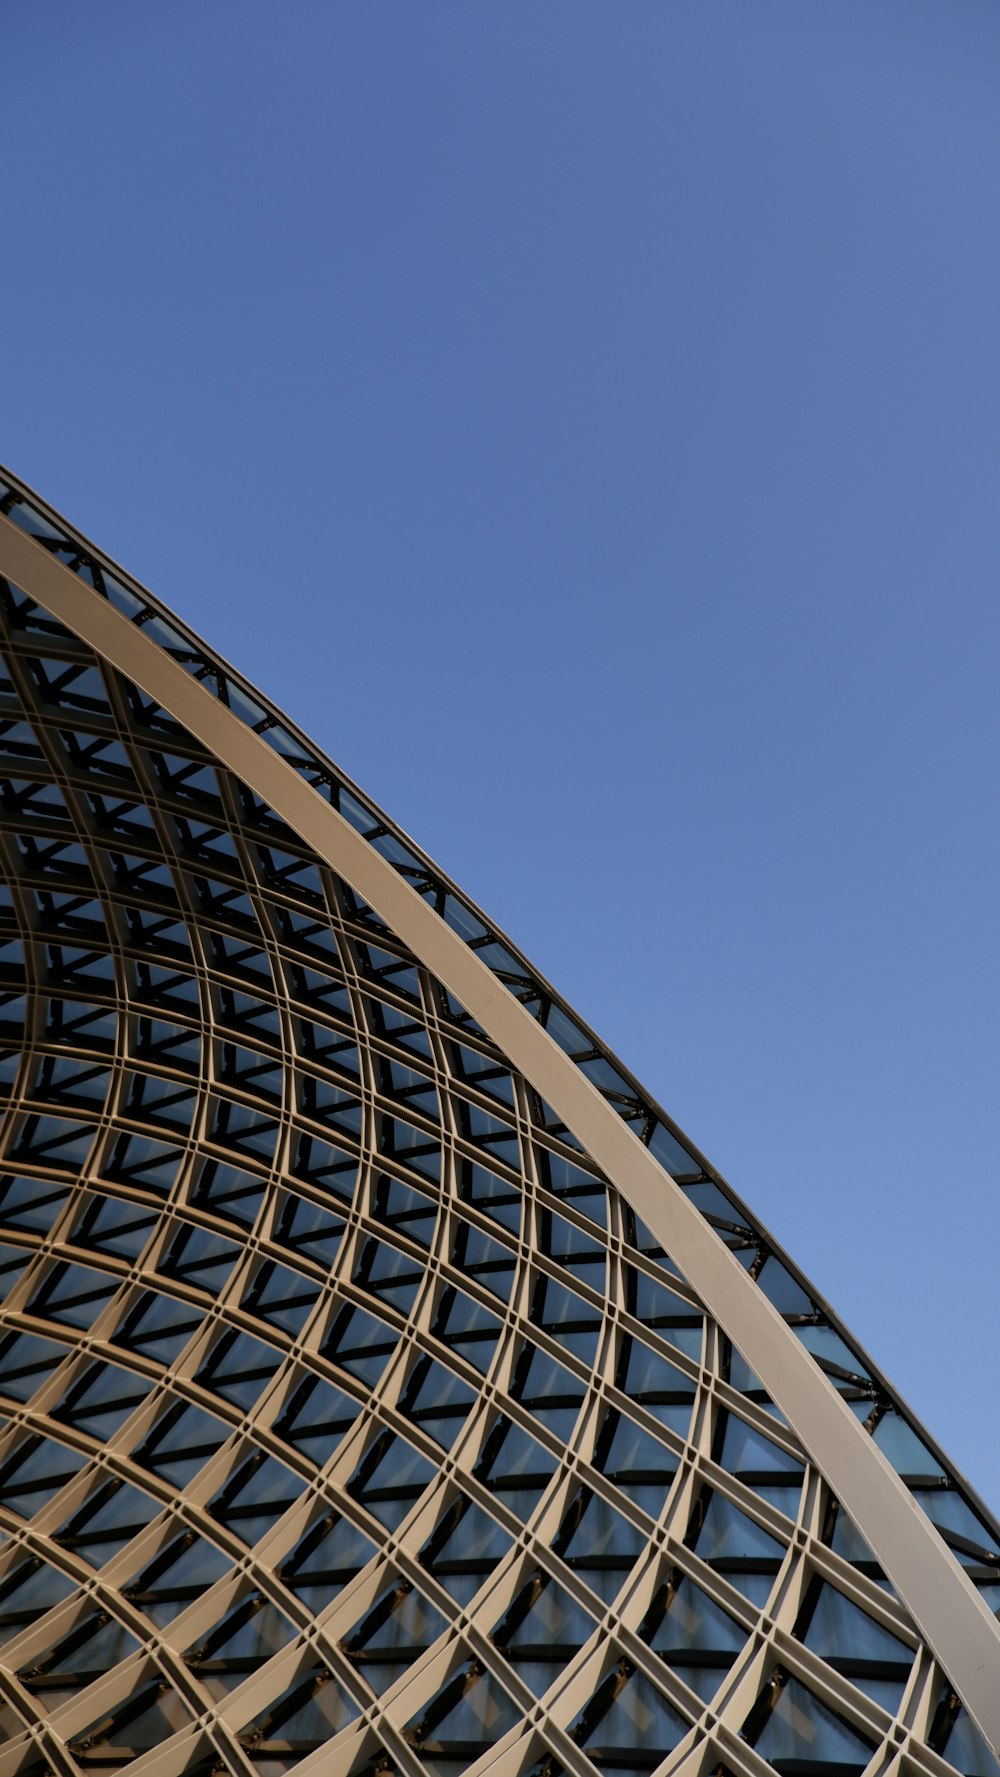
x: 353, y: 1421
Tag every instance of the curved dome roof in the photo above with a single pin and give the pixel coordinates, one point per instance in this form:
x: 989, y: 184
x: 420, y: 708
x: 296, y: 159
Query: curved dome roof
x: 389, y: 1384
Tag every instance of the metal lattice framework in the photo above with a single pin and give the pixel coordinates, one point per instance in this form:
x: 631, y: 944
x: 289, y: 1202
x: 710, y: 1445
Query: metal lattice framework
x: 387, y: 1384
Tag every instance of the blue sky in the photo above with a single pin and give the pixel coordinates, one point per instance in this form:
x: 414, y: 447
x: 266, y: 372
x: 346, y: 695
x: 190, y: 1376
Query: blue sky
x: 585, y: 421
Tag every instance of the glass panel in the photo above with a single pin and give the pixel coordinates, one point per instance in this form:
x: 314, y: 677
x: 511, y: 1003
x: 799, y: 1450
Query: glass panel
x: 26, y: 1361
x: 100, y: 1399
x: 398, y: 1629
x: 684, y: 1621
x: 463, y: 1548
x: 737, y: 1547
x: 28, y: 1588
x: 967, y: 1751
x: 542, y: 1629
x: 332, y: 1552
x: 304, y: 1717
x: 437, y: 1401
x: 799, y: 1734
x: 182, y: 1570
x: 238, y: 1367
x: 628, y: 1725
x: 315, y: 1417
x: 907, y: 1453
x: 469, y: 1714
x: 389, y: 1478
x: 514, y: 1466
x: 869, y: 1655
x: 30, y: 1204
x: 110, y: 1517
x: 598, y: 1543
x: 251, y: 1631
x: 257, y: 1493
x: 636, y: 1462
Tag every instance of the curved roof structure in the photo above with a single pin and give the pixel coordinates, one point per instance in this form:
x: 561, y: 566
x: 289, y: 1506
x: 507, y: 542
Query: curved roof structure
x: 388, y: 1385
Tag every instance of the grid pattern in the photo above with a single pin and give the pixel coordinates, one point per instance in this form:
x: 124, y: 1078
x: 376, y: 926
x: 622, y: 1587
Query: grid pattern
x: 907, y: 1446
x: 352, y: 1420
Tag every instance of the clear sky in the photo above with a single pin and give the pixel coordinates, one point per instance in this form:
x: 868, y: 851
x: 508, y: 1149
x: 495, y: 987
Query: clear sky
x: 585, y: 419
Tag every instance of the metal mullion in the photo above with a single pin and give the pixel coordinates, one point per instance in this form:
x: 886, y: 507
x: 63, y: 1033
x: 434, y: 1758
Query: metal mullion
x: 461, y: 1470
x: 724, y: 1589
x: 31, y: 642
x: 314, y: 1269
x: 317, y: 1501
x: 581, y: 1681
x: 105, y: 1694
x: 352, y: 1143
x: 863, y: 1591
x: 503, y: 1403
x: 747, y: 1501
x: 578, y: 1157
x: 530, y: 1552
x: 606, y: 1489
x: 162, y: 1394
x: 232, y: 1710
x: 361, y: 1593
x: 322, y: 1070
x: 23, y: 1540
x: 169, y: 802
x: 309, y: 1192
x: 124, y: 1191
x: 107, y: 1458
x: 726, y: 1740
x: 832, y: 1688
x: 377, y: 988
x: 656, y: 1341
x: 39, y: 990
x: 45, y: 1250
x: 172, y: 1757
x: 547, y: 1200
x: 349, y: 1296
x: 199, y: 1618
x: 178, y: 910
x: 545, y: 1739
x: 660, y: 1673
x: 462, y: 1367
x: 412, y: 1114
x: 493, y: 1659
x: 26, y: 1542
x: 917, y: 1711
x: 749, y: 1617
x: 29, y: 1708
x: 674, y: 1443
x: 328, y: 1018
x: 48, y: 1382
x: 477, y: 1218
x: 226, y: 1316
x: 594, y: 1382
x: 544, y: 1266
x: 67, y: 1498
x: 249, y: 1037
x: 776, y: 1617
x: 21, y: 1291
x: 104, y: 1464
x: 401, y: 1242
x: 220, y: 1086
x: 261, y: 891
x: 131, y: 1122
x: 752, y: 1413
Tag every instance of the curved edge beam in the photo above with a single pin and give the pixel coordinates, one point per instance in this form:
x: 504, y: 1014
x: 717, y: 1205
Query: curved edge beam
x: 956, y: 1623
